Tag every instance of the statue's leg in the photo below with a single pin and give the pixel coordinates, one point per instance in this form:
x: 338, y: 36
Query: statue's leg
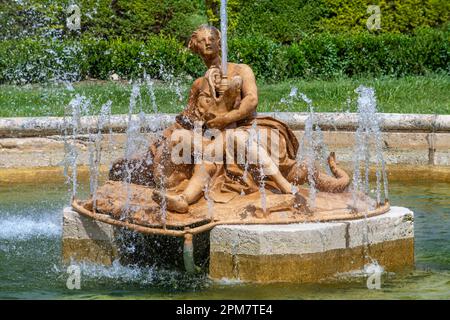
x: 192, y: 193
x: 200, y: 178
x: 257, y: 151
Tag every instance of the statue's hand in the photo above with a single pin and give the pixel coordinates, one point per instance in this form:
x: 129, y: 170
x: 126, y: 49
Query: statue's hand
x: 218, y: 123
x: 209, y: 116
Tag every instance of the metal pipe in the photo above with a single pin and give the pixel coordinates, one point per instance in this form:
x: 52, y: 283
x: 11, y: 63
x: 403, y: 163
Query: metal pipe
x: 188, y: 253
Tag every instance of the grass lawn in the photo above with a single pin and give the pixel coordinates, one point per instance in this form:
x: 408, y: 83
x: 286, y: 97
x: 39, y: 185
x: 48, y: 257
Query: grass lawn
x: 421, y: 94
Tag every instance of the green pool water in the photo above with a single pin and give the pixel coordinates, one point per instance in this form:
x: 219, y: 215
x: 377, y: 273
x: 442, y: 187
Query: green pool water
x: 30, y: 249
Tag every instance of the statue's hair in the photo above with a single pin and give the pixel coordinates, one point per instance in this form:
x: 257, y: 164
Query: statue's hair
x: 193, y: 43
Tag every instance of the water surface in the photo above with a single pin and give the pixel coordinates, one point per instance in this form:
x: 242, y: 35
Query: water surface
x: 30, y: 250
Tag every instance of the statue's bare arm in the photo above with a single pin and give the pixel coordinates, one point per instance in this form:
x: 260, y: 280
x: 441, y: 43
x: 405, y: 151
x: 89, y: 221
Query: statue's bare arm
x: 249, y: 96
x: 248, y: 103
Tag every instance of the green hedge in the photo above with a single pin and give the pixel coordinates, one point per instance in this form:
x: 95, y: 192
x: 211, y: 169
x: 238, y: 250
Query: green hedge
x: 284, y: 21
x: 402, y: 16
x: 315, y: 56
x: 107, y: 19
x: 36, y: 60
x: 328, y: 55
x: 288, y: 21
x: 29, y: 60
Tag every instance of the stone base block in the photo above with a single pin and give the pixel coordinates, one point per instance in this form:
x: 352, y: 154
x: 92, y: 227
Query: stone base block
x: 311, y: 252
x: 87, y: 240
x: 306, y: 252
x: 92, y: 241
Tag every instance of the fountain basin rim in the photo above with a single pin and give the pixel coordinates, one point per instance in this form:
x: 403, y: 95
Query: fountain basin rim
x: 47, y: 126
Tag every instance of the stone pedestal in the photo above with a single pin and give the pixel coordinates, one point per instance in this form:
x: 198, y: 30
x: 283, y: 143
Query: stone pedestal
x: 96, y: 242
x: 87, y: 240
x: 306, y: 252
x: 311, y: 252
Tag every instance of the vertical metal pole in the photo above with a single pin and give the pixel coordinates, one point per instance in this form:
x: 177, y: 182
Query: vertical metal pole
x: 188, y: 253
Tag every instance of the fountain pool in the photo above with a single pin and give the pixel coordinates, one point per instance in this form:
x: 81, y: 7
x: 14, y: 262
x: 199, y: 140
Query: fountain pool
x: 30, y: 253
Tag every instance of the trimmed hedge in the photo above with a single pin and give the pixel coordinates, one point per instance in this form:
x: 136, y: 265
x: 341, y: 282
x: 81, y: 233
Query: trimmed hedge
x: 396, y: 16
x: 366, y: 54
x: 107, y: 19
x: 36, y: 60
x: 29, y: 60
x: 289, y: 21
x: 284, y: 21
x: 315, y: 56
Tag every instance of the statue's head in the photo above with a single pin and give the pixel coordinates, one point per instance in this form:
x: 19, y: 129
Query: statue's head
x: 205, y: 41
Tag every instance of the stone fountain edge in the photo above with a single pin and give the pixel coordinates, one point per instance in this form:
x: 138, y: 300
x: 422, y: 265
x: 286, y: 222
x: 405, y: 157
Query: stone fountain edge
x: 300, y: 252
x: 48, y: 126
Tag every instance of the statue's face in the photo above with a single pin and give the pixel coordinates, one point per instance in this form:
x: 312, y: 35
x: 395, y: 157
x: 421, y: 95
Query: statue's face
x: 207, y: 43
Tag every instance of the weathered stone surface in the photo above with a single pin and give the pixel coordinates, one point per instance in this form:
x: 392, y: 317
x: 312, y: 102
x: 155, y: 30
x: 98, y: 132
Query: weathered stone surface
x: 391, y: 140
x: 398, y: 147
x: 408, y: 138
x: 48, y: 126
x: 278, y: 239
x: 85, y: 239
x: 78, y: 227
x: 397, y: 224
x: 349, y: 121
x: 87, y: 250
x: 442, y: 123
x: 311, y: 251
x: 442, y: 141
x: 442, y: 149
x: 49, y: 151
x: 442, y: 158
x: 314, y: 267
x: 96, y: 242
x: 45, y: 126
x: 269, y: 253
x: 44, y: 175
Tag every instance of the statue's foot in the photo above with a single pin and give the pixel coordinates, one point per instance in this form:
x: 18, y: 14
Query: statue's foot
x: 175, y: 203
x: 301, y: 204
x: 88, y: 205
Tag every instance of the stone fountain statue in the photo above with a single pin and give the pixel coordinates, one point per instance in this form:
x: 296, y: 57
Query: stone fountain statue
x: 222, y: 163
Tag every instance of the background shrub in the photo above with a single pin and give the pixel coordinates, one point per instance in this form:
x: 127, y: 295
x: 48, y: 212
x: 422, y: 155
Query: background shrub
x: 278, y: 39
x: 289, y: 21
x: 263, y: 54
x: 396, y: 16
x: 35, y: 60
x: 106, y: 19
x: 284, y: 21
x: 156, y: 57
x: 321, y: 55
